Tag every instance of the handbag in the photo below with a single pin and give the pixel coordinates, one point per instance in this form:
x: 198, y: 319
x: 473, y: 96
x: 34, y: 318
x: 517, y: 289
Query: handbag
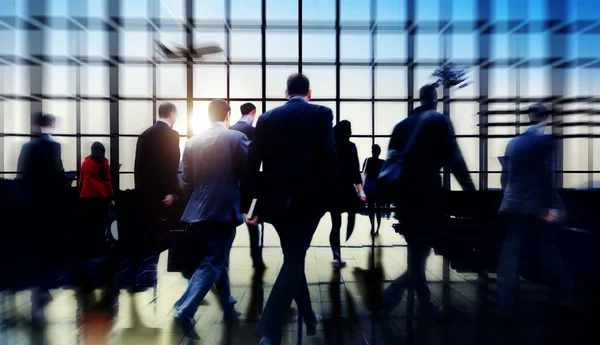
x: 393, y: 169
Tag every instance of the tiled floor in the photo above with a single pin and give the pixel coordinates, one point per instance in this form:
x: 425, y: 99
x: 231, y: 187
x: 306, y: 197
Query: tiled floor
x: 146, y: 318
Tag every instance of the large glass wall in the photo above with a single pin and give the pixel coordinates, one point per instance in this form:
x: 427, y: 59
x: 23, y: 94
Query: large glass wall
x: 94, y: 64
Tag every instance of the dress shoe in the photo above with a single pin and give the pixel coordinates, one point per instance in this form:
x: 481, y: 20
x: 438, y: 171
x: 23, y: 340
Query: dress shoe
x: 337, y: 264
x: 186, y: 324
x: 311, y: 328
x: 232, y: 316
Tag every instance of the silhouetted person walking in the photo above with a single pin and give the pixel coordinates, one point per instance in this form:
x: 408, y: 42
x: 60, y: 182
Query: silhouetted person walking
x: 295, y: 145
x: 156, y: 186
x: 419, y: 201
x: 349, y: 189
x: 244, y: 125
x: 531, y: 206
x: 44, y: 182
x: 213, y: 164
x: 371, y: 169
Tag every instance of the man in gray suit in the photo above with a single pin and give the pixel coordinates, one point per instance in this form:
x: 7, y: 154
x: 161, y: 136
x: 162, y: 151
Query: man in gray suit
x: 213, y: 163
x: 531, y: 206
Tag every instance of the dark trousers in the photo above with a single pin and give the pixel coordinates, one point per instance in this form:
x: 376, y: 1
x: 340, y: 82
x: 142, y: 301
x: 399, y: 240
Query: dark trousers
x: 295, y: 234
x: 334, y: 235
x: 255, y: 249
x: 212, y: 270
x: 419, y: 248
x: 525, y: 231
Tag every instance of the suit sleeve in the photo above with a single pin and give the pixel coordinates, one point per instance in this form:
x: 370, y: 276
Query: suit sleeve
x: 552, y: 199
x: 174, y: 154
x: 504, y: 175
x: 58, y: 163
x: 250, y: 184
x: 241, y: 156
x: 187, y: 175
x: 456, y: 160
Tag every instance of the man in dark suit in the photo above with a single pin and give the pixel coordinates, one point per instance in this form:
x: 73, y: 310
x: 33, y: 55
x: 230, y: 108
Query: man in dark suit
x: 295, y: 145
x: 420, y: 207
x: 213, y: 164
x: 156, y: 184
x: 531, y: 206
x: 244, y: 125
x: 44, y: 184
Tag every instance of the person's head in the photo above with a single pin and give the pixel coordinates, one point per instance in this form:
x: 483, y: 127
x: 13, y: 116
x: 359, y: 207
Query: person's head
x: 46, y: 122
x: 219, y: 110
x: 168, y: 112
x: 376, y: 150
x: 428, y: 96
x: 98, y: 152
x: 342, y: 131
x: 298, y: 86
x: 538, y: 113
x: 248, y: 109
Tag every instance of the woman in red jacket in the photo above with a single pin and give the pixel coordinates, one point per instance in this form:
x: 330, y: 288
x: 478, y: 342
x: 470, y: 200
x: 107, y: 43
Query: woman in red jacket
x: 95, y: 193
x: 94, y: 180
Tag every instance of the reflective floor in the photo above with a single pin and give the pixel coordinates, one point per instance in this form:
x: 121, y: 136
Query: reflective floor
x: 344, y: 298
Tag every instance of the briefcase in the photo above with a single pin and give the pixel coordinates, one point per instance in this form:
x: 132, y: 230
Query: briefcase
x: 185, y: 250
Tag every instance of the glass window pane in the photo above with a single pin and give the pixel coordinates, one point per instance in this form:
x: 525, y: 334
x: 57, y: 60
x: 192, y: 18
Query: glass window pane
x: 134, y: 116
x: 282, y: 11
x: 59, y: 80
x: 86, y: 146
x: 455, y: 186
x: 427, y: 47
x: 65, y: 112
x: 318, y: 11
x: 181, y: 123
x: 282, y: 45
x: 499, y: 46
x: 95, y: 81
x: 95, y: 117
x: 330, y: 105
x: 126, y: 181
x: 464, y: 10
x: 575, y: 153
x: 355, y: 46
x: 535, y: 82
x: 496, y: 148
x: 501, y: 82
x: 575, y: 180
x: 172, y: 39
x: 387, y: 116
x: 423, y: 77
x: 318, y: 46
x: 359, y: 114
x: 245, y: 45
x: 246, y: 82
x: 384, y: 143
x: 276, y: 80
x: 200, y: 121
x: 355, y: 11
x: 12, y: 150
x: 355, y: 82
x: 470, y: 151
x: 391, y: 11
x: 464, y: 47
x: 428, y: 10
x: 97, y: 44
x: 210, y: 81
x: 390, y: 82
x: 322, y: 80
x: 19, y: 121
x: 274, y: 104
x: 472, y: 89
x: 363, y: 146
x: 209, y: 10
x: 60, y: 40
x: 390, y: 46
x: 135, y: 44
x: 127, y: 154
x: 216, y: 37
x: 465, y: 117
x: 245, y: 11
x: 135, y: 81
x: 134, y: 9
x: 171, y: 81
x: 68, y: 152
x: 176, y: 9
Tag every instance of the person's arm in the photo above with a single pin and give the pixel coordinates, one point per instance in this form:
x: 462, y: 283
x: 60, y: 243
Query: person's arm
x: 358, y: 182
x: 107, y: 179
x: 504, y: 175
x: 457, y: 162
x: 552, y: 199
x: 174, y: 155
x: 187, y: 175
x: 58, y: 163
x: 241, y: 156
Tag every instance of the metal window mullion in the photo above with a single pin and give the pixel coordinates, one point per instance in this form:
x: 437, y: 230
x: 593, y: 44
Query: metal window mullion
x: 299, y: 36
x: 337, y: 59
x: 373, y: 31
x: 36, y: 45
x: 484, y: 15
x: 263, y: 47
x: 410, y: 53
x: 189, y: 38
x: 445, y: 38
x: 78, y: 50
x: 228, y: 46
x: 114, y: 7
x: 153, y: 13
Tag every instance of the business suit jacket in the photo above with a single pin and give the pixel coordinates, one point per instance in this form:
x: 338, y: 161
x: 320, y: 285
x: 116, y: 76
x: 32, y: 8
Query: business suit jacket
x: 528, y: 175
x: 42, y: 174
x: 245, y: 128
x: 295, y: 145
x: 156, y: 165
x: 213, y: 164
x: 434, y: 147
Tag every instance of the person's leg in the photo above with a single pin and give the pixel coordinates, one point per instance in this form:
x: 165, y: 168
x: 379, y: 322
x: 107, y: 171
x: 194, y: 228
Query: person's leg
x: 378, y: 222
x: 419, y: 252
x: 508, y: 266
x: 223, y: 285
x: 371, y: 213
x: 255, y: 251
x: 291, y: 281
x: 209, y: 270
x: 334, y: 235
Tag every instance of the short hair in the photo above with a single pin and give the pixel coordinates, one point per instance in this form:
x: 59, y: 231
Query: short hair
x: 298, y: 84
x: 165, y: 109
x: 218, y: 109
x: 428, y: 94
x: 247, y: 108
x: 376, y: 150
x: 45, y: 120
x: 538, y: 112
